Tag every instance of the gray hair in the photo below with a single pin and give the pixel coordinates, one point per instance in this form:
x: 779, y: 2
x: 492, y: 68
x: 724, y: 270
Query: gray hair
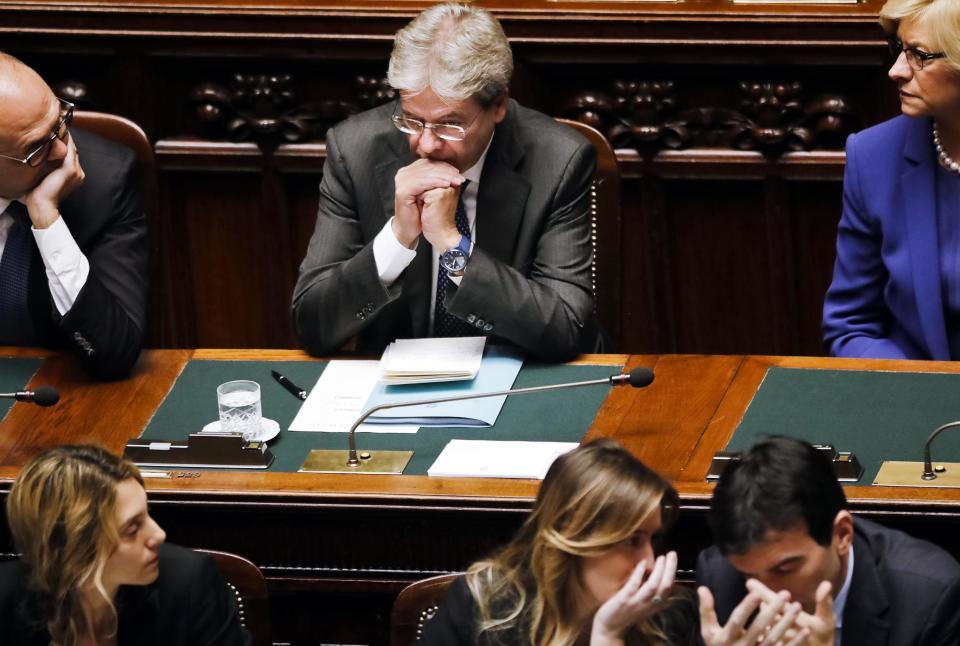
x: 459, y: 51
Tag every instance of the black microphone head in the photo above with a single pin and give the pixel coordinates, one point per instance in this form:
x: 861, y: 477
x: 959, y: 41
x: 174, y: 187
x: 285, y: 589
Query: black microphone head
x: 46, y: 396
x: 640, y: 377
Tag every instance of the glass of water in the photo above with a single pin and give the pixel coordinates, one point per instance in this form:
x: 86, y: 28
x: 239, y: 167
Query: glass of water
x: 239, y: 403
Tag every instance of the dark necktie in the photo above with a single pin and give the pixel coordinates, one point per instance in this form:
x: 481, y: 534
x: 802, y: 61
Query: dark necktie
x: 15, y: 325
x: 445, y: 323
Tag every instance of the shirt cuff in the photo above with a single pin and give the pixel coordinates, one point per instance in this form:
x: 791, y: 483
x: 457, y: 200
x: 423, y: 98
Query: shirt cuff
x: 67, y: 267
x: 390, y: 255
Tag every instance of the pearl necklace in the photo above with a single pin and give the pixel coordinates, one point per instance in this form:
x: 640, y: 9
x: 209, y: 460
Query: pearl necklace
x: 945, y: 159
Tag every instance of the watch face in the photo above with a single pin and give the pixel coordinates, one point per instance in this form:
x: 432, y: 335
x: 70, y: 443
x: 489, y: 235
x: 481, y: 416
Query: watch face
x: 453, y: 260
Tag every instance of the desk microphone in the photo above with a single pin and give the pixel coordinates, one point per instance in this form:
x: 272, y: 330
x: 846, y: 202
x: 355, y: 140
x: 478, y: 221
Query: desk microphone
x: 638, y: 378
x: 42, y: 396
x: 928, y: 470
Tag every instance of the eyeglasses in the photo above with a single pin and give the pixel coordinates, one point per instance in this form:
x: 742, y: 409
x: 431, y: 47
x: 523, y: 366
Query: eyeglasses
x: 39, y: 154
x: 445, y: 131
x: 916, y: 58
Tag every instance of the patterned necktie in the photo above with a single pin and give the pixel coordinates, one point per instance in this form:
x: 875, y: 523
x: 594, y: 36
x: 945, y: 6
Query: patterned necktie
x: 445, y: 323
x: 15, y: 325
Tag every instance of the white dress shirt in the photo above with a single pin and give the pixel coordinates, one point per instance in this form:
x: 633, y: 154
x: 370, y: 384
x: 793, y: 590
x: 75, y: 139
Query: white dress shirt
x: 841, y: 600
x: 67, y: 267
x: 391, y: 257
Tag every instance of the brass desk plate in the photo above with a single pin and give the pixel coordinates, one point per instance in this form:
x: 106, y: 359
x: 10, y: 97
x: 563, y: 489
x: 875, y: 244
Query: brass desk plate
x: 907, y: 474
x: 379, y: 462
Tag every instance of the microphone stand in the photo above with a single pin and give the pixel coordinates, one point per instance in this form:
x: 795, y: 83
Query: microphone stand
x: 328, y: 461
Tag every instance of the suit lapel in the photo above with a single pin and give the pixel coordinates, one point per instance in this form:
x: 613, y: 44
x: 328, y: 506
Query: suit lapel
x: 417, y: 277
x: 865, y: 615
x: 919, y: 195
x: 503, y: 192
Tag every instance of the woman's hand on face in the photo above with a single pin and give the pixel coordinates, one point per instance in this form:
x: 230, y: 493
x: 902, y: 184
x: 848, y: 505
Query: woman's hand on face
x: 635, y: 601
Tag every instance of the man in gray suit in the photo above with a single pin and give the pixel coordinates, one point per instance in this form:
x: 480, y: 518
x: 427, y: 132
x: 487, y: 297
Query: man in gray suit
x: 453, y: 211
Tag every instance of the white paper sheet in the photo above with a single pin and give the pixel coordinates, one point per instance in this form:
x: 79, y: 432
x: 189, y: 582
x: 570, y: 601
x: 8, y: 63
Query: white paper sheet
x: 495, y: 459
x: 337, y: 400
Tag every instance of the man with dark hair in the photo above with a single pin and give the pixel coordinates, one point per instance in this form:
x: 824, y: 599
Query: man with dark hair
x: 73, y: 251
x: 782, y: 531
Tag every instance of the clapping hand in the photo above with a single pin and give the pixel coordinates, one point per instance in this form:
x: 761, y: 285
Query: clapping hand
x: 774, y: 625
x: 821, y: 625
x: 634, y: 602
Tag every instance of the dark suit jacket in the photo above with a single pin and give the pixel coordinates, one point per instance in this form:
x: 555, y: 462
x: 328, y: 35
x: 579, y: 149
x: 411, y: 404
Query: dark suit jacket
x: 528, y: 278
x: 904, y: 591
x: 188, y: 605
x: 106, y: 324
x: 885, y: 300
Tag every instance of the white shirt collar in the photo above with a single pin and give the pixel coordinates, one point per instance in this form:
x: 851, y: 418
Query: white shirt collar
x: 841, y: 600
x: 4, y: 203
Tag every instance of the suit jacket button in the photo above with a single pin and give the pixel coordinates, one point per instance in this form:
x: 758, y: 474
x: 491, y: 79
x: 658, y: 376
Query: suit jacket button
x: 361, y: 315
x: 488, y: 327
x: 471, y: 318
x: 479, y: 323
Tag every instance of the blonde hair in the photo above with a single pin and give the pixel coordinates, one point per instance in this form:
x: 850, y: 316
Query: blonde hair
x: 941, y: 17
x: 457, y: 50
x: 61, y: 513
x: 591, y: 499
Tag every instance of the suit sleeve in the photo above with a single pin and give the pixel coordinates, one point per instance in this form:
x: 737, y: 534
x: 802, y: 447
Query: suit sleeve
x: 106, y: 324
x: 338, y: 289
x: 548, y: 312
x: 943, y: 625
x: 855, y: 316
x: 214, y: 620
x: 456, y: 621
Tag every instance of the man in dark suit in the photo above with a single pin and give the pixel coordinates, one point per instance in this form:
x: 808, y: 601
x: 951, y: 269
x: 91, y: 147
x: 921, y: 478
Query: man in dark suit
x: 453, y: 211
x: 779, y: 519
x: 73, y: 250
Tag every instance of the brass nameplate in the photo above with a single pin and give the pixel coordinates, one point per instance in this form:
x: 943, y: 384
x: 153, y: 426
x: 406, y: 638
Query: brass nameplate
x: 908, y: 474
x: 373, y: 462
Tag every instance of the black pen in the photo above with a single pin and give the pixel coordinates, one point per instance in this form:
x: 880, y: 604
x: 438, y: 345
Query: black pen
x: 291, y: 387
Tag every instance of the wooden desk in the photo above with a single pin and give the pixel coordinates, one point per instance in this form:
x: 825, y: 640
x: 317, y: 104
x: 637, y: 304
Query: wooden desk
x: 336, y: 549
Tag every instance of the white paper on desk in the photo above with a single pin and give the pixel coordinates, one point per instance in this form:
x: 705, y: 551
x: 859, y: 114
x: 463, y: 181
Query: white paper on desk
x: 494, y: 459
x: 420, y: 361
x: 337, y: 400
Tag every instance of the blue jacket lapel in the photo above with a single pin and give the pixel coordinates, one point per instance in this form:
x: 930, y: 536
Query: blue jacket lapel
x: 919, y: 207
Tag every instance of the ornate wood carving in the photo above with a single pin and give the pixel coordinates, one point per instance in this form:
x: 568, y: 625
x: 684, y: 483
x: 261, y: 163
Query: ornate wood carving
x: 772, y: 118
x: 266, y: 109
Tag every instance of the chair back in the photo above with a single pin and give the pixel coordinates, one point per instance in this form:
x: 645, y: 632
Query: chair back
x: 248, y: 586
x: 119, y: 130
x: 606, y: 235
x: 415, y: 606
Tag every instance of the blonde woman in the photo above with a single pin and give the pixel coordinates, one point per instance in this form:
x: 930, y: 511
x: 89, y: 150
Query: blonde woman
x: 582, y: 568
x: 94, y: 569
x: 896, y: 284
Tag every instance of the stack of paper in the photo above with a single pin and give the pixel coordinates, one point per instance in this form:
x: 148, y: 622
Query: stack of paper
x: 491, y: 459
x: 420, y: 361
x: 500, y: 367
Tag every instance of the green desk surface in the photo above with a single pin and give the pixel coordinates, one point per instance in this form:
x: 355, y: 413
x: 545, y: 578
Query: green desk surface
x: 561, y: 416
x: 15, y: 372
x: 877, y: 415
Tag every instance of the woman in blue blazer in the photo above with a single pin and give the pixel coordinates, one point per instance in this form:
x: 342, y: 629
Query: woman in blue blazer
x: 896, y: 283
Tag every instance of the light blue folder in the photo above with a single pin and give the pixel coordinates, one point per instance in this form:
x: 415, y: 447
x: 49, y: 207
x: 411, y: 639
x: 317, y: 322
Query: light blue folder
x: 498, y: 370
